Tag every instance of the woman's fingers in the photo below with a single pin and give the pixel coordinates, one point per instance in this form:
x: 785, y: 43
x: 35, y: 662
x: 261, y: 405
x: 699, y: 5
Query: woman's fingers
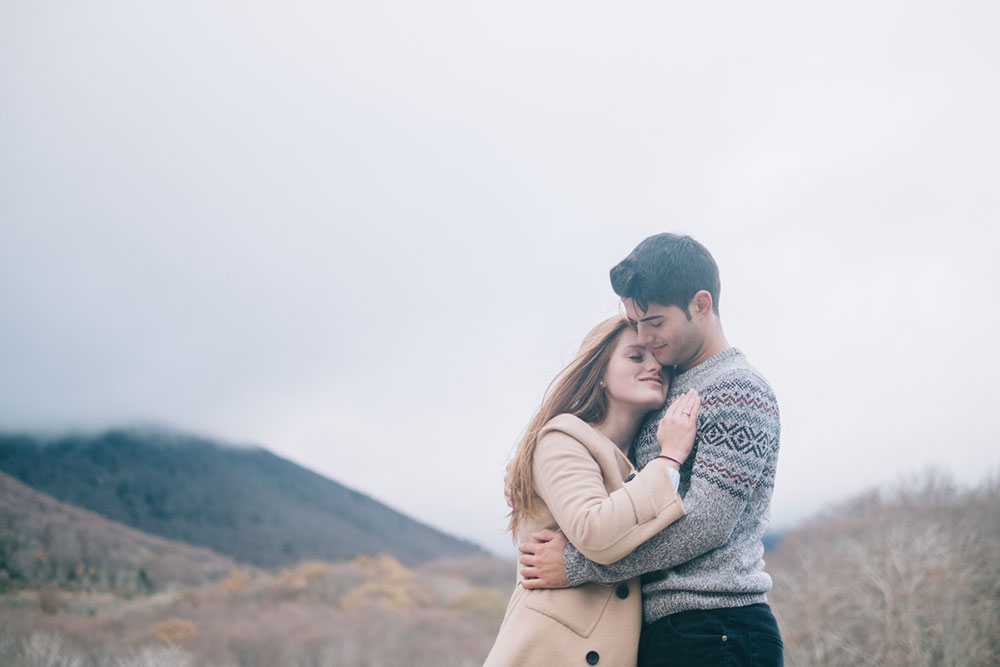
x: 683, y: 404
x: 679, y: 405
x: 686, y: 404
x: 688, y: 410
x: 683, y: 408
x: 695, y: 404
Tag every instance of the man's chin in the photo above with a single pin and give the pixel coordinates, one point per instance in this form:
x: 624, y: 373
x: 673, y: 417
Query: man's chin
x: 665, y: 358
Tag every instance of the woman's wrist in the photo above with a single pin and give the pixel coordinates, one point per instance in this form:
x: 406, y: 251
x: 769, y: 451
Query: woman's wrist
x: 670, y: 460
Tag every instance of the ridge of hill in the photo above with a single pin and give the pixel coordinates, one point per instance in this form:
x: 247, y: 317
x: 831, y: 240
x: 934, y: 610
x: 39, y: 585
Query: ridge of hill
x: 44, y: 541
x: 244, y: 502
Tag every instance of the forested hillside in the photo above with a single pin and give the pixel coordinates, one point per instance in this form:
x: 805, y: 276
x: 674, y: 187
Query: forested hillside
x: 44, y: 542
x: 907, y: 576
x: 243, y: 502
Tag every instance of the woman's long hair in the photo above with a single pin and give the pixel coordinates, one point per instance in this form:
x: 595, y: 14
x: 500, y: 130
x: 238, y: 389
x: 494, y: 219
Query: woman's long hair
x: 576, y: 390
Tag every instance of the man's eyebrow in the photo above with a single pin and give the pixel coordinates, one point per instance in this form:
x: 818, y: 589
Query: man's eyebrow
x: 651, y: 317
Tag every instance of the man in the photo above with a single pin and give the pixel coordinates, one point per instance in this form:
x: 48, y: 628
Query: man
x: 704, y: 586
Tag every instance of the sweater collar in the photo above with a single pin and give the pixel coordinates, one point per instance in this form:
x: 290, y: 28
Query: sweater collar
x: 693, y: 376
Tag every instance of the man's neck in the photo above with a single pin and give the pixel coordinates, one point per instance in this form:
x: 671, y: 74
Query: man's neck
x: 713, y: 344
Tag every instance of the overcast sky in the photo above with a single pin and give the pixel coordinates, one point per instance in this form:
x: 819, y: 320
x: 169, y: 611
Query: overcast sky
x: 366, y: 235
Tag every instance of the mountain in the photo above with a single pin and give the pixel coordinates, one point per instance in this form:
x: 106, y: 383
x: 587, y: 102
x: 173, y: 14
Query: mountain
x: 45, y: 541
x: 244, y: 502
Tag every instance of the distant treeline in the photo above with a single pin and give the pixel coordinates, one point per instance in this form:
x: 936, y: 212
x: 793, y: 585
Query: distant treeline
x: 44, y: 542
x: 906, y: 576
x: 903, y: 576
x: 242, y: 502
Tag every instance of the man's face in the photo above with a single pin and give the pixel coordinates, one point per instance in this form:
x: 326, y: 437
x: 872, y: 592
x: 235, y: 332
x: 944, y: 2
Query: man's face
x: 668, y: 333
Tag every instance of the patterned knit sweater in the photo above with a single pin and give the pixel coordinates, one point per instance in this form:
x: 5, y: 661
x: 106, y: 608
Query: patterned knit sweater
x: 712, y: 557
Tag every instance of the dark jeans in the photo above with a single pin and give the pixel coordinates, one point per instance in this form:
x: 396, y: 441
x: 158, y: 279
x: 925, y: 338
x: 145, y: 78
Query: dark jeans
x: 745, y: 636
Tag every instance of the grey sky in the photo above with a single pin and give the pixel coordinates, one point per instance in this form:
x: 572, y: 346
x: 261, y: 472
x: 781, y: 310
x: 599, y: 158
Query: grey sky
x: 366, y: 235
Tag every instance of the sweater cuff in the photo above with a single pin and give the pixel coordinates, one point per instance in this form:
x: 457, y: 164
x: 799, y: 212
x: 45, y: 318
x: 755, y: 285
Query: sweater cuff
x: 576, y: 566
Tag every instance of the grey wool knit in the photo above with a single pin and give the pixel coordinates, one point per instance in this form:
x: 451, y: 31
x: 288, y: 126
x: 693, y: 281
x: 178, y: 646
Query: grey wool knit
x: 713, y: 556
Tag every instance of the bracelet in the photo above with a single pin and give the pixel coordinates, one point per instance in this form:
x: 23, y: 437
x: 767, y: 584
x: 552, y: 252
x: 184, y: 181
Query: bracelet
x: 670, y: 458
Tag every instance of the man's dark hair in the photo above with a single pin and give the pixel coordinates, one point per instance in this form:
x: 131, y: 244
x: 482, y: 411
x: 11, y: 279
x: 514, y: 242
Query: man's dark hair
x: 669, y: 270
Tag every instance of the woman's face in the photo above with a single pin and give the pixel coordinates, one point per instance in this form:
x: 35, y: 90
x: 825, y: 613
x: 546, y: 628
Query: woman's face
x: 634, y: 377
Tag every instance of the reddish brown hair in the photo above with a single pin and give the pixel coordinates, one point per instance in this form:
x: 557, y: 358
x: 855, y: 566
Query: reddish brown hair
x: 577, y: 391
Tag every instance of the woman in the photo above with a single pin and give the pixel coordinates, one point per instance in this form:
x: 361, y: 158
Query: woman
x: 571, y: 472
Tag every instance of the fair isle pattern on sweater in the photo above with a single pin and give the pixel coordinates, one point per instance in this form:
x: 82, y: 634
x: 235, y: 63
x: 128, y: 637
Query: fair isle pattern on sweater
x: 740, y: 427
x: 712, y: 557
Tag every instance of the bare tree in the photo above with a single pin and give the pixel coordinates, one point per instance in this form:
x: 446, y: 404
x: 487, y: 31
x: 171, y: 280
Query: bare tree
x: 907, y: 576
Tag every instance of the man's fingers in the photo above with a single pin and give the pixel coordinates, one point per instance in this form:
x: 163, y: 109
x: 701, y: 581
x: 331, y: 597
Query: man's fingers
x: 527, y: 547
x: 544, y: 535
x: 531, y: 583
x: 528, y: 559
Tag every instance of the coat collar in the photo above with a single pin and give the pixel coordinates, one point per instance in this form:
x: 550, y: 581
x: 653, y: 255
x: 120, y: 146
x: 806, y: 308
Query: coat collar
x: 596, y: 442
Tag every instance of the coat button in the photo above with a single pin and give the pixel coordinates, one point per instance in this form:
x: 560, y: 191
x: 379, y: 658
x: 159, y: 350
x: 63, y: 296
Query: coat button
x: 622, y: 591
x: 630, y: 477
x: 725, y: 638
x: 592, y: 658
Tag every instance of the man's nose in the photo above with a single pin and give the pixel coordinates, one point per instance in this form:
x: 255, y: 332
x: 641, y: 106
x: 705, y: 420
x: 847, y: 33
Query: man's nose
x: 644, y: 334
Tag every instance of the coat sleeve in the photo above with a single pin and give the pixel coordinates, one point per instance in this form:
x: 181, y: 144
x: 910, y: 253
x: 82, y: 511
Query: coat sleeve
x: 736, y: 450
x: 604, y: 527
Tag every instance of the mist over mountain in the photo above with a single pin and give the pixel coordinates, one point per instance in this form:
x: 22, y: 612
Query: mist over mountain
x: 244, y: 502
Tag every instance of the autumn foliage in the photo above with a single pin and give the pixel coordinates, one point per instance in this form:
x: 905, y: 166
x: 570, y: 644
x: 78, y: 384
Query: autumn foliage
x: 369, y: 611
x: 907, y: 576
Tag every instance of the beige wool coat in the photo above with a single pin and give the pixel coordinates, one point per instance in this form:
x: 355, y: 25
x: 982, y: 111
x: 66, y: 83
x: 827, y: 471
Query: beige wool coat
x: 579, y: 477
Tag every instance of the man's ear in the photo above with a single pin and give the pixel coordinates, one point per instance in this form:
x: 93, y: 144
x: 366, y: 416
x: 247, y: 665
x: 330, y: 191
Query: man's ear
x: 701, y: 304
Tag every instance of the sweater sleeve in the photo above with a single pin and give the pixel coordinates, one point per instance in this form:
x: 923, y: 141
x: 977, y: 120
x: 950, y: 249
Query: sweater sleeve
x: 736, y: 446
x: 604, y: 526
